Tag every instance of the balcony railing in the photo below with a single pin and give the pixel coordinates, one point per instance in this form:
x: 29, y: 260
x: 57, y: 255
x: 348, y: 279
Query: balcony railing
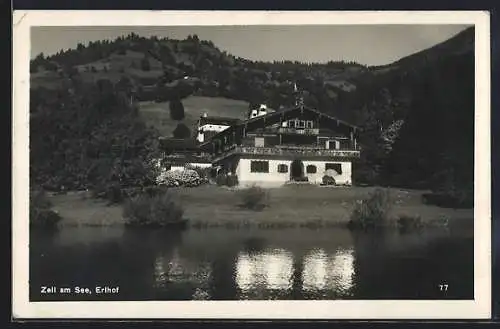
x: 307, y: 131
x: 288, y: 151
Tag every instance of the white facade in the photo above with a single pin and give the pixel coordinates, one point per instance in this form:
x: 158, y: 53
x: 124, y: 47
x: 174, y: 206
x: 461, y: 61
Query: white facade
x: 274, y: 178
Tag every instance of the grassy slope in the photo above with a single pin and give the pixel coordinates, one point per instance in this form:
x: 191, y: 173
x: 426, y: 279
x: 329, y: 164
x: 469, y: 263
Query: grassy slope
x: 287, y: 205
x: 158, y: 114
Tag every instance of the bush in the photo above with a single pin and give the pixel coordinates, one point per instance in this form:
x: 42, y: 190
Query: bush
x: 253, y: 198
x: 232, y: 180
x: 186, y: 177
x: 204, y: 173
x: 221, y: 180
x: 372, y: 212
x: 328, y: 180
x: 181, y: 131
x: 226, y: 180
x: 113, y: 193
x: 157, y: 210
x: 41, y: 214
x: 450, y: 198
x: 409, y: 223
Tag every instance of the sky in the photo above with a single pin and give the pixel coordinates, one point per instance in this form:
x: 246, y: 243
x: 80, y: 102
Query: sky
x: 365, y: 44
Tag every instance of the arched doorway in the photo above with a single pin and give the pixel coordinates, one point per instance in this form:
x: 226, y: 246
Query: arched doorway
x: 296, y: 170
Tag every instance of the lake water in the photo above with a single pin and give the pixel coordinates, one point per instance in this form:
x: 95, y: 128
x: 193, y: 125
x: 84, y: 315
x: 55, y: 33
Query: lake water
x: 221, y: 264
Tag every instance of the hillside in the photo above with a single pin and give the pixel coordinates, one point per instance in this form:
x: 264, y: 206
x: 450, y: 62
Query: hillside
x: 417, y: 113
x: 154, y: 67
x: 158, y: 115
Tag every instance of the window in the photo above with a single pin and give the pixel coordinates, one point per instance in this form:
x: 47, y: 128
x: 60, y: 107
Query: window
x: 309, y: 124
x: 335, y: 144
x: 335, y: 166
x: 259, y: 166
x: 291, y: 123
x: 259, y: 141
x: 300, y: 123
x: 282, y: 168
x: 310, y: 169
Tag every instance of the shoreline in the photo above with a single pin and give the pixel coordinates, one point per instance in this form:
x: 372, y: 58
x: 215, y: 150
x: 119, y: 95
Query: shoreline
x: 288, y: 207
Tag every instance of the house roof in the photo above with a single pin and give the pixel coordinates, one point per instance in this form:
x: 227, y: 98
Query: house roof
x: 178, y: 144
x: 218, y: 120
x: 275, y: 116
x: 185, y: 159
x: 293, y: 109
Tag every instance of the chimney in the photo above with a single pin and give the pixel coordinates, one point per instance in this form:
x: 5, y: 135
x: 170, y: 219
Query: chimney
x: 262, y: 109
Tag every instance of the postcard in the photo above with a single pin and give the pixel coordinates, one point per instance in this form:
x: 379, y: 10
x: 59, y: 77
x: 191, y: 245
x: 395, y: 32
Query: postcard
x: 251, y: 165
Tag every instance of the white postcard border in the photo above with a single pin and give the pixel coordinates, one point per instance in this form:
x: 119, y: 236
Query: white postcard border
x: 479, y: 308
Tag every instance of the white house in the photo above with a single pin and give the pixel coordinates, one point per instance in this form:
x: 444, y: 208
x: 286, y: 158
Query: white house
x: 297, y: 144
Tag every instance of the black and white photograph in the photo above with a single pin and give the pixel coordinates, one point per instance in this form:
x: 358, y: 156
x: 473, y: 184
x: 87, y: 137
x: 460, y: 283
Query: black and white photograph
x: 190, y: 158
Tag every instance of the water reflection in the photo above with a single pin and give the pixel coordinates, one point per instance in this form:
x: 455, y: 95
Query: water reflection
x: 173, y: 269
x: 277, y: 269
x: 270, y: 269
x: 227, y: 265
x: 324, y: 272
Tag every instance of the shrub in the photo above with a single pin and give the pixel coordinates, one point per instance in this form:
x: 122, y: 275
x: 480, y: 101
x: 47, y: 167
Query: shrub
x: 158, y: 210
x: 253, y: 198
x: 232, y: 180
x: 328, y: 180
x: 372, y: 212
x: 204, y: 173
x: 113, y: 193
x: 226, y: 180
x: 221, y: 180
x: 41, y: 214
x: 181, y: 131
x: 409, y: 223
x: 186, y: 177
x: 452, y: 198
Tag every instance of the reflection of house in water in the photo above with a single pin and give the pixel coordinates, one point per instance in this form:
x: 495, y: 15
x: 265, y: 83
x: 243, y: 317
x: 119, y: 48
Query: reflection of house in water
x: 279, y: 269
x: 268, y: 270
x: 328, y: 272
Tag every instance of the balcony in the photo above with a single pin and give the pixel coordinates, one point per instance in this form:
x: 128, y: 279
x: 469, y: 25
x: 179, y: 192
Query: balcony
x: 292, y: 151
x: 307, y: 131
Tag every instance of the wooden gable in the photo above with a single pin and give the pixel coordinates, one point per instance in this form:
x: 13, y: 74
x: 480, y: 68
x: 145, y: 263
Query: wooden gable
x: 272, y: 122
x: 304, y: 117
